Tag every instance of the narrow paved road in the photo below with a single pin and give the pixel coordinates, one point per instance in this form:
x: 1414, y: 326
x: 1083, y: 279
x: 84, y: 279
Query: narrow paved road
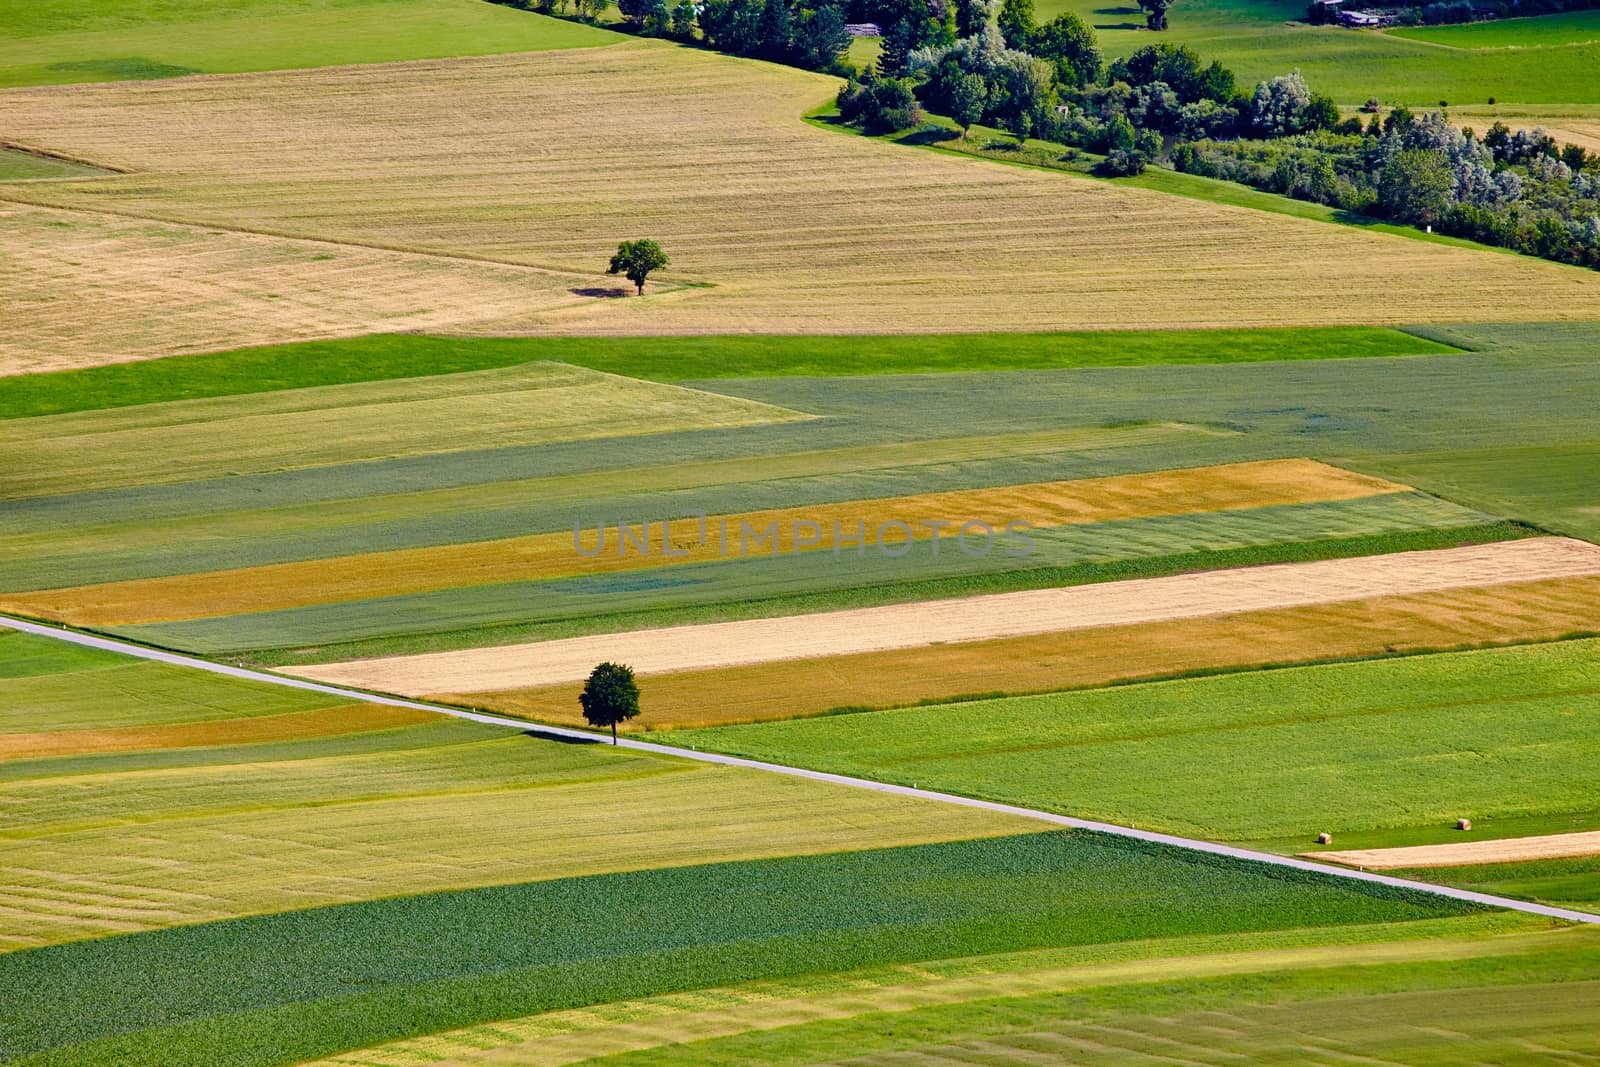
x: 91, y: 641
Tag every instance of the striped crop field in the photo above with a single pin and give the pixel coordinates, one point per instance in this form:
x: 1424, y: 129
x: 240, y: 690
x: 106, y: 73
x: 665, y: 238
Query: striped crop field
x: 745, y: 584
x: 296, y: 428
x: 321, y: 155
x: 140, y: 796
x: 245, y: 991
x: 211, y: 525
x: 920, y: 624
x: 865, y: 524
x: 1095, y: 1006
x: 1514, y: 612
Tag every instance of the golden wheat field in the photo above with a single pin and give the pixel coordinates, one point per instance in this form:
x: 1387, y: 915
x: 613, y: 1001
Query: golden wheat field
x: 549, y: 159
x: 1569, y: 124
x: 1523, y: 611
x: 923, y: 623
x: 376, y: 574
x: 84, y: 288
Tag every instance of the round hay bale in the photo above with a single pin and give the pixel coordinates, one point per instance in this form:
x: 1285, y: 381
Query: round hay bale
x: 1324, y: 839
x: 1463, y: 824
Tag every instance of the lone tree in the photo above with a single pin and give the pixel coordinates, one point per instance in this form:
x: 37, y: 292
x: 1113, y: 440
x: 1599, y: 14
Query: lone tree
x: 609, y: 696
x: 1155, y: 13
x: 636, y: 259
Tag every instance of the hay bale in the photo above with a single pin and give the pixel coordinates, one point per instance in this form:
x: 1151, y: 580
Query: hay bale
x: 1463, y: 824
x: 1324, y: 839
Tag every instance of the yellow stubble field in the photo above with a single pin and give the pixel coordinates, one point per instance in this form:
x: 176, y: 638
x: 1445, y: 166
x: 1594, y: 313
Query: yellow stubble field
x: 549, y: 159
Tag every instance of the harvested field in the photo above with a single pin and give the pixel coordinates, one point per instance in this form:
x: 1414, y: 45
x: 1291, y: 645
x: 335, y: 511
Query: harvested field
x: 356, y: 155
x: 541, y: 556
x: 1531, y: 611
x: 1469, y: 853
x: 195, y: 439
x: 320, y: 722
x: 85, y: 289
x: 971, y: 619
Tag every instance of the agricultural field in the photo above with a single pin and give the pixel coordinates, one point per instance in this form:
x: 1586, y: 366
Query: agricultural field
x: 1545, y: 31
x: 332, y: 461
x: 286, y: 838
x: 1270, y: 758
x: 321, y: 156
x: 51, y: 42
x: 1540, y: 60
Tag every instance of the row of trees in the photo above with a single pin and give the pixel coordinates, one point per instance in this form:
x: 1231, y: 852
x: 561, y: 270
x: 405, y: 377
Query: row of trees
x: 1518, y: 190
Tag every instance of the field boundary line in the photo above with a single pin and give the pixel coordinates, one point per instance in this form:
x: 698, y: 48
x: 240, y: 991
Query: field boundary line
x: 7, y: 191
x: 565, y: 733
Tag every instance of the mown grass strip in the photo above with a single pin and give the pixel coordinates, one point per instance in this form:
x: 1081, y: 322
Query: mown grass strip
x: 300, y: 984
x: 384, y: 356
x: 1499, y: 1006
x: 563, y: 1037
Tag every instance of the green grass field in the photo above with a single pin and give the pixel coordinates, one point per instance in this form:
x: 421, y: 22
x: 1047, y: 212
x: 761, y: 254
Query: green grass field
x: 60, y: 41
x: 25, y: 166
x: 1572, y: 27
x: 1279, y: 755
x: 1259, y: 39
x: 299, y: 984
x: 672, y: 359
x: 1553, y: 486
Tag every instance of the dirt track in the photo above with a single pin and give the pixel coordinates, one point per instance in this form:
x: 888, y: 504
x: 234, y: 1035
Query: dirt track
x: 969, y: 619
x: 1467, y: 853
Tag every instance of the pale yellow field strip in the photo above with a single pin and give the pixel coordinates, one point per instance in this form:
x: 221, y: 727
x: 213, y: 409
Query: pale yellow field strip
x: 193, y: 868
x: 1569, y: 124
x: 1468, y: 853
x: 1455, y: 618
x: 798, y: 229
x: 85, y: 289
x: 294, y: 725
x: 553, y: 1039
x: 550, y: 555
x: 535, y: 403
x: 971, y: 618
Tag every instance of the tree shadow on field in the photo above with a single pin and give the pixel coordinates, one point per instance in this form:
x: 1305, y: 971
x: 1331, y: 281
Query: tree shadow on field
x: 926, y: 135
x: 561, y: 739
x: 1118, y: 25
x: 607, y: 292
